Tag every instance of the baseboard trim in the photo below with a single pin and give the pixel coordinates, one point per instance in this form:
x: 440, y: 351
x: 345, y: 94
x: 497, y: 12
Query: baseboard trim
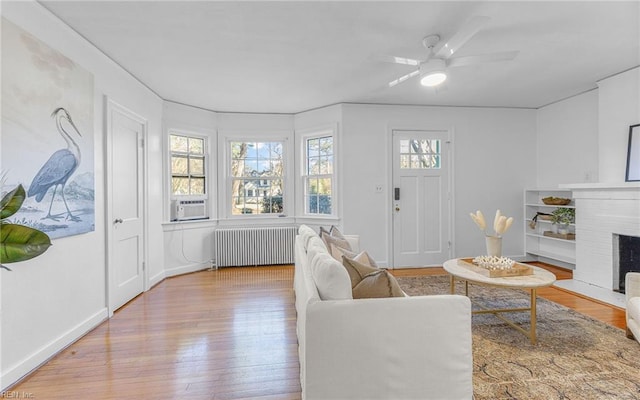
x: 157, y: 278
x: 185, y: 269
x: 34, y: 361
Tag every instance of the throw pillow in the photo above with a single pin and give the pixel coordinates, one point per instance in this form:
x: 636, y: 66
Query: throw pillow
x: 335, y: 232
x: 331, y: 279
x: 377, y: 284
x: 364, y: 258
x: 358, y: 267
x: 324, y: 231
x: 329, y: 240
x: 337, y: 252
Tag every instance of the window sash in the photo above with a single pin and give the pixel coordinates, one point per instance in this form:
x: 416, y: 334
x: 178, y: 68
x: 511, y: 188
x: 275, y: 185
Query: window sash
x: 319, y: 176
x: 188, y: 165
x: 257, y: 176
x: 318, y: 194
x: 420, y: 154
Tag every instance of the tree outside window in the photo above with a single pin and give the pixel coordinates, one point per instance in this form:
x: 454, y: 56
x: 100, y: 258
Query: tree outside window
x: 188, y: 173
x: 257, y: 177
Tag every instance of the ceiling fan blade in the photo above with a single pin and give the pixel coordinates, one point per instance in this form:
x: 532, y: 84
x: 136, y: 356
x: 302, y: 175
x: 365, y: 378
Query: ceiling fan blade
x: 482, y: 58
x: 403, y: 78
x: 462, y: 36
x: 398, y: 60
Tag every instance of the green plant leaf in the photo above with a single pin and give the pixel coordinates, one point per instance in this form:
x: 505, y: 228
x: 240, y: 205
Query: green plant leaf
x: 20, y: 243
x: 12, y: 202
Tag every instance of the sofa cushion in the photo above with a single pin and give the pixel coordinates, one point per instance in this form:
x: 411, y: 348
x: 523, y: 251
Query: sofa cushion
x: 358, y: 267
x: 330, y: 277
x: 377, y: 284
x: 633, y: 308
x: 316, y: 244
x: 306, y: 233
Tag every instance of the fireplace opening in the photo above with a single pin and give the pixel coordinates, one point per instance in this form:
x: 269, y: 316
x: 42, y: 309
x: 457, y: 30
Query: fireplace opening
x: 626, y: 258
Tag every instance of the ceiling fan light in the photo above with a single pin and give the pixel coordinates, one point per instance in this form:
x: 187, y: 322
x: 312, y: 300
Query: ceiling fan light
x: 433, y: 72
x: 433, y: 78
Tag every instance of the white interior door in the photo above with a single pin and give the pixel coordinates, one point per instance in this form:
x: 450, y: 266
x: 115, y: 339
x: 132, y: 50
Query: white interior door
x: 126, y: 132
x: 421, y: 205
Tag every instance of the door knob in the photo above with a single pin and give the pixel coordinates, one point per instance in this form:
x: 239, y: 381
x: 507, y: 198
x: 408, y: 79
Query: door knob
x: 118, y: 221
x: 397, y: 208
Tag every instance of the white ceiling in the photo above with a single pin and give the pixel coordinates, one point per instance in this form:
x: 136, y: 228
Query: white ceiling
x: 287, y: 57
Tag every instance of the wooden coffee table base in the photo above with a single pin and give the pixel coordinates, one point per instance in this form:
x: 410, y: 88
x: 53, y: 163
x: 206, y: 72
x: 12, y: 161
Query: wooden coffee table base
x: 531, y: 334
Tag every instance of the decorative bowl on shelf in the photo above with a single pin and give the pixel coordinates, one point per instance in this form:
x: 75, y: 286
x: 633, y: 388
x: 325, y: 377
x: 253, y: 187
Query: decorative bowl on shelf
x: 555, y: 201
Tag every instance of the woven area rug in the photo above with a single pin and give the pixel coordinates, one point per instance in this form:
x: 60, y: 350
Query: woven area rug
x: 576, y: 358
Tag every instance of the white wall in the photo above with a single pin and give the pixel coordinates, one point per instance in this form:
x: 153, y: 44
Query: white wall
x: 619, y: 107
x: 494, y: 154
x: 188, y: 246
x: 50, y: 301
x: 584, y: 138
x: 567, y: 145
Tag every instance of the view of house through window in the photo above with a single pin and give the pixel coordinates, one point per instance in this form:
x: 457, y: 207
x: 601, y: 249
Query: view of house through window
x: 420, y: 154
x: 318, y: 179
x: 257, y: 177
x: 188, y: 176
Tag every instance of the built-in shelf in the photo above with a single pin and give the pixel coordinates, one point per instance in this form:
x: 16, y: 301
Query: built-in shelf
x: 539, y: 247
x: 548, y: 205
x: 537, y: 235
x: 553, y: 256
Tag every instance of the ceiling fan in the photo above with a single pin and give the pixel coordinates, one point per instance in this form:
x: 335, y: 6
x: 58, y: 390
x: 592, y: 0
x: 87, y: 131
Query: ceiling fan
x: 433, y: 69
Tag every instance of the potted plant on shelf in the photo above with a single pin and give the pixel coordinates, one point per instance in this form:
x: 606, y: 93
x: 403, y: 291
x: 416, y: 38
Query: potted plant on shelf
x: 562, y: 217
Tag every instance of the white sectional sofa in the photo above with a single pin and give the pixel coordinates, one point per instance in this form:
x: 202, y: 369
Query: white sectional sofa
x: 380, y: 348
x: 632, y: 294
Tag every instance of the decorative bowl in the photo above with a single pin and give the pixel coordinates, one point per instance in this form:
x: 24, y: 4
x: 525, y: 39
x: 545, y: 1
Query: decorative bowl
x: 556, y: 201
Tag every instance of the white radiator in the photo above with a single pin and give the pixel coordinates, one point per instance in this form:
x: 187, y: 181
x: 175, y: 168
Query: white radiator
x: 254, y: 246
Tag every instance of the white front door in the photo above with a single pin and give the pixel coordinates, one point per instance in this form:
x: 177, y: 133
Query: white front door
x: 420, y: 198
x: 125, y: 206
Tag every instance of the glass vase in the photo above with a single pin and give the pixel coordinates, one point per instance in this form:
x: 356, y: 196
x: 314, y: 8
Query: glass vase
x: 494, y: 245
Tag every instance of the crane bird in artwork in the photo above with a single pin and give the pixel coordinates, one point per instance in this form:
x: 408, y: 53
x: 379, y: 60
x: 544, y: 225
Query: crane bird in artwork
x: 59, y: 167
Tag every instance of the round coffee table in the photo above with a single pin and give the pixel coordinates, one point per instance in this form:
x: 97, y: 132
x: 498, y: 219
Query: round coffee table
x: 457, y: 268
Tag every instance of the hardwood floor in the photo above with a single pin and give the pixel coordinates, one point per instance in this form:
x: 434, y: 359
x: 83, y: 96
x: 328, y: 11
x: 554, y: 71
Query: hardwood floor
x: 226, y: 334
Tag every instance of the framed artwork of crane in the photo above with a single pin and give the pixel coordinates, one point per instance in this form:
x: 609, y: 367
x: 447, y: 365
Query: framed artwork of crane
x: 47, y: 134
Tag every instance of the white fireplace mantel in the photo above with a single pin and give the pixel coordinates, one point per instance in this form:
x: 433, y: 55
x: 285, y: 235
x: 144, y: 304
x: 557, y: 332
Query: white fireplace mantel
x: 602, y: 211
x: 603, y: 186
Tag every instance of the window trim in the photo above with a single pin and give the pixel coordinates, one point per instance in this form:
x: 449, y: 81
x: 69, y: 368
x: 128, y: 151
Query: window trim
x: 315, y: 133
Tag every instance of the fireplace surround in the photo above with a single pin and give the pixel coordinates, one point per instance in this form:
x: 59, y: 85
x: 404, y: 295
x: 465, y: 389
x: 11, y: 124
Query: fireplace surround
x: 604, y: 213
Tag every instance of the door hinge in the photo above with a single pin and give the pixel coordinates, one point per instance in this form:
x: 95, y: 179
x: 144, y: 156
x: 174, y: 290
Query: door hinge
x: 449, y: 244
x: 144, y: 266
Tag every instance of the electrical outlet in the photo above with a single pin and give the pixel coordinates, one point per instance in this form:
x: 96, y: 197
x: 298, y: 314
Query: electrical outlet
x: 378, y: 188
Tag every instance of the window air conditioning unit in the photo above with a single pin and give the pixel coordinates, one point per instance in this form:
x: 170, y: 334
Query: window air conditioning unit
x: 184, y: 210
